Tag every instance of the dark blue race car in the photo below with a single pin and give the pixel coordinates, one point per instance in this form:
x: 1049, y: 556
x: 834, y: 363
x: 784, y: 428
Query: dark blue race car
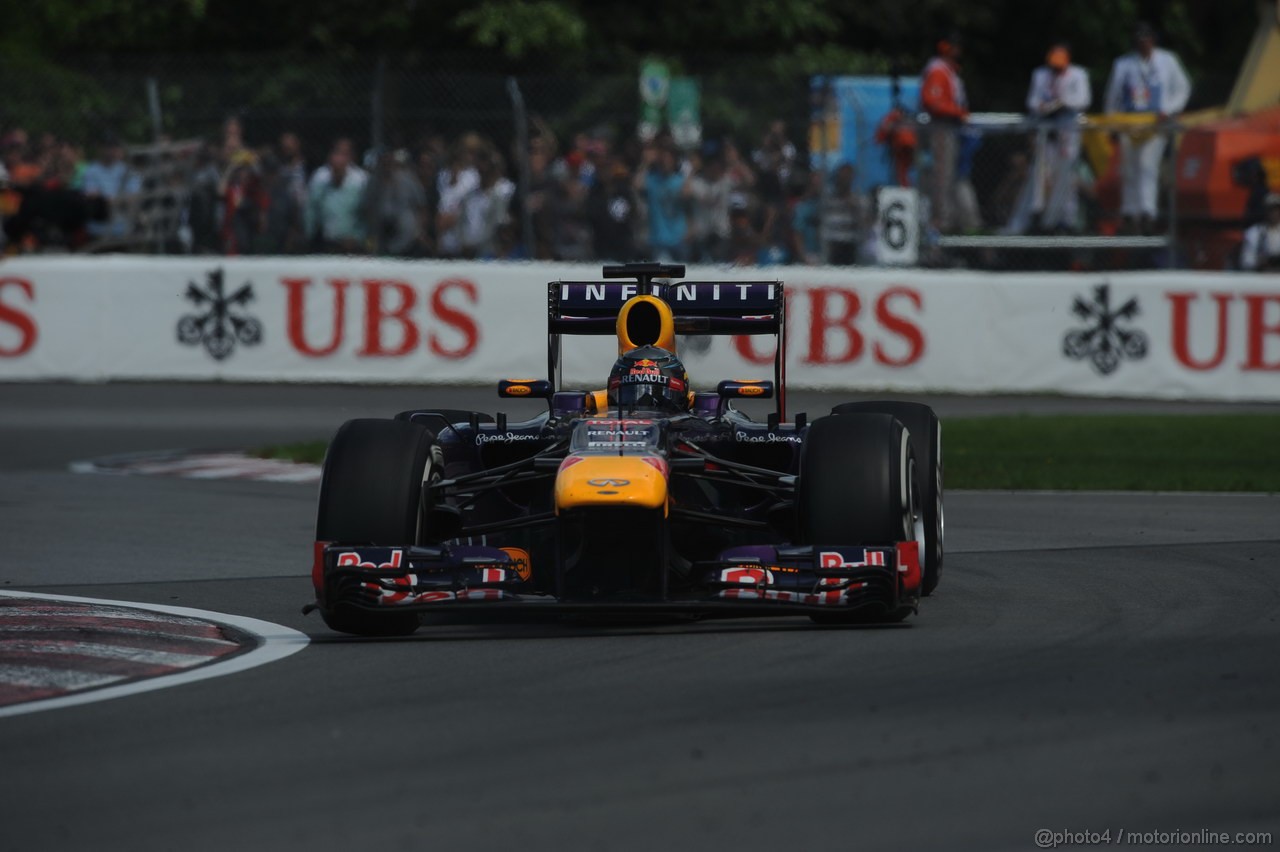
x: 645, y: 497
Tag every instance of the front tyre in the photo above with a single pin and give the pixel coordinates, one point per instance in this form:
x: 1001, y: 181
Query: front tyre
x: 857, y: 486
x: 370, y: 493
x: 926, y: 443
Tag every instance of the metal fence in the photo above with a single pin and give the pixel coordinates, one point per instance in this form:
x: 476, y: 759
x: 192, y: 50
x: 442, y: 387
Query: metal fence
x: 1081, y: 194
x: 556, y: 161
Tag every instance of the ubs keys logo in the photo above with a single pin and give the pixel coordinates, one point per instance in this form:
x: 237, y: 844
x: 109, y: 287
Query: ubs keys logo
x: 1104, y: 340
x: 221, y: 320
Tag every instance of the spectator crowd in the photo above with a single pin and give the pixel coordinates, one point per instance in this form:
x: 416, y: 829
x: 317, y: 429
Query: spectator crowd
x: 594, y: 197
x: 601, y: 196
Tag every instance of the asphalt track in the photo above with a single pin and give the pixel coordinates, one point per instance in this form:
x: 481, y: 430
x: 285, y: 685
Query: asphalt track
x: 1091, y: 662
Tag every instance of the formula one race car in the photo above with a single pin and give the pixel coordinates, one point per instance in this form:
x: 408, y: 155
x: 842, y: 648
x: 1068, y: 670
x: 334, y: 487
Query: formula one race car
x: 645, y: 498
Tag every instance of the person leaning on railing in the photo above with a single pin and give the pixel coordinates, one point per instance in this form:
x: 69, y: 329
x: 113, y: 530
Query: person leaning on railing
x: 1059, y: 94
x: 1149, y: 81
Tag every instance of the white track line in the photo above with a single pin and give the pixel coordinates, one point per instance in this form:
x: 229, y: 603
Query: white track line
x: 276, y: 643
x: 197, y: 465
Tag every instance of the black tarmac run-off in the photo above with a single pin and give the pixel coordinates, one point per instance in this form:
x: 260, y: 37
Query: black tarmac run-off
x: 1089, y: 662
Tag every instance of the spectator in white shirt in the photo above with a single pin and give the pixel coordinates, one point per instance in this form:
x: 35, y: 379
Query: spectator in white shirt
x: 333, y: 221
x: 455, y: 184
x: 1147, y: 80
x: 1059, y: 94
x: 1261, y: 249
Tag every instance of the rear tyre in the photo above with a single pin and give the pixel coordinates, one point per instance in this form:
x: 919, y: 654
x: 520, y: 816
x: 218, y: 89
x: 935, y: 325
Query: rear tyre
x: 926, y: 442
x: 856, y: 486
x: 370, y: 493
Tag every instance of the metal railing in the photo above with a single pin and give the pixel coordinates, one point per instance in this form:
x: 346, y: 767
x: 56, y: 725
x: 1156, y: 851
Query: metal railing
x: 1039, y: 186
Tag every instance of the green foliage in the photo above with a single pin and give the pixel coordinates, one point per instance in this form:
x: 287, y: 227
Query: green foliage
x: 828, y: 58
x: 79, y: 105
x: 74, y: 66
x: 69, y: 25
x: 521, y: 28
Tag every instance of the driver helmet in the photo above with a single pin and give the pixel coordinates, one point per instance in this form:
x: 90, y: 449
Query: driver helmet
x: 649, y: 377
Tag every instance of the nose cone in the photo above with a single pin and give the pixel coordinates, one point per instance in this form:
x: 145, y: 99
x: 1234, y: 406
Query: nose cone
x: 634, y: 481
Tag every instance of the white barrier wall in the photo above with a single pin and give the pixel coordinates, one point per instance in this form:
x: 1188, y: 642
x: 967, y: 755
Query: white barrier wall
x: 1150, y: 334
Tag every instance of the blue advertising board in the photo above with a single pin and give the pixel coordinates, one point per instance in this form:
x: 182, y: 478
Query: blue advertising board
x: 852, y: 113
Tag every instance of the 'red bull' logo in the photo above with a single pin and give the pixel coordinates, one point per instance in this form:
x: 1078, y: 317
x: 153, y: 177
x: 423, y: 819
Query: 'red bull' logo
x: 645, y: 367
x: 834, y: 559
x: 353, y: 560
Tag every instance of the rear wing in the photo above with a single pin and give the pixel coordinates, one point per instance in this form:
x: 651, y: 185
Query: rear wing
x: 697, y: 307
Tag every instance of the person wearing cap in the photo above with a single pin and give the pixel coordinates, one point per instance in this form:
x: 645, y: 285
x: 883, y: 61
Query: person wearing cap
x: 942, y: 97
x: 1147, y: 80
x: 1059, y: 94
x: 1261, y: 249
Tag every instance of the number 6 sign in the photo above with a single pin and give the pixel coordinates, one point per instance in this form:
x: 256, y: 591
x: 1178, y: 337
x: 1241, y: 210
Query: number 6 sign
x: 897, y: 225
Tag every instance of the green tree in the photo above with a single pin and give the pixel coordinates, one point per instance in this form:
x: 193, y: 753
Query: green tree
x: 782, y: 38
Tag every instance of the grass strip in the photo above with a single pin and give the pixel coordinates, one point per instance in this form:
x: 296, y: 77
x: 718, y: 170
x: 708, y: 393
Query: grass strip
x: 1115, y: 452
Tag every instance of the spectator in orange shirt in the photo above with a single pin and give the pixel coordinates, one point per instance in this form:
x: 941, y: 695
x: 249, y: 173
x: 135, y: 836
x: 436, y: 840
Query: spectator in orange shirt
x: 897, y: 133
x: 943, y: 98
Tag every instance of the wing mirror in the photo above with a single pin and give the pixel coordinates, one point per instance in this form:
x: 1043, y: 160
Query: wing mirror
x: 525, y: 389
x: 745, y: 389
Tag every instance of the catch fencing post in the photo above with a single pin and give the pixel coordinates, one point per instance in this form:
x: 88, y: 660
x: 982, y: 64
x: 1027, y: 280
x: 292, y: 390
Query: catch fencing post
x: 153, y: 105
x: 377, y: 110
x: 1171, y: 148
x: 521, y: 119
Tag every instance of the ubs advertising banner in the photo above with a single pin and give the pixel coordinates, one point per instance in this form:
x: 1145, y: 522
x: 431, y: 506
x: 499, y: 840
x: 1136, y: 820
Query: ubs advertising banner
x: 313, y: 319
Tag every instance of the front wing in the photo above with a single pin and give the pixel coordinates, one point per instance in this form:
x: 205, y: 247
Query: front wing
x: 745, y: 581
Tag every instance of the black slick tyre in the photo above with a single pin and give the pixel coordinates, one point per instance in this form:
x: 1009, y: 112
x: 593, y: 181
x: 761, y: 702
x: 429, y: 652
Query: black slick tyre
x: 370, y: 492
x: 856, y: 487
x: 926, y: 442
